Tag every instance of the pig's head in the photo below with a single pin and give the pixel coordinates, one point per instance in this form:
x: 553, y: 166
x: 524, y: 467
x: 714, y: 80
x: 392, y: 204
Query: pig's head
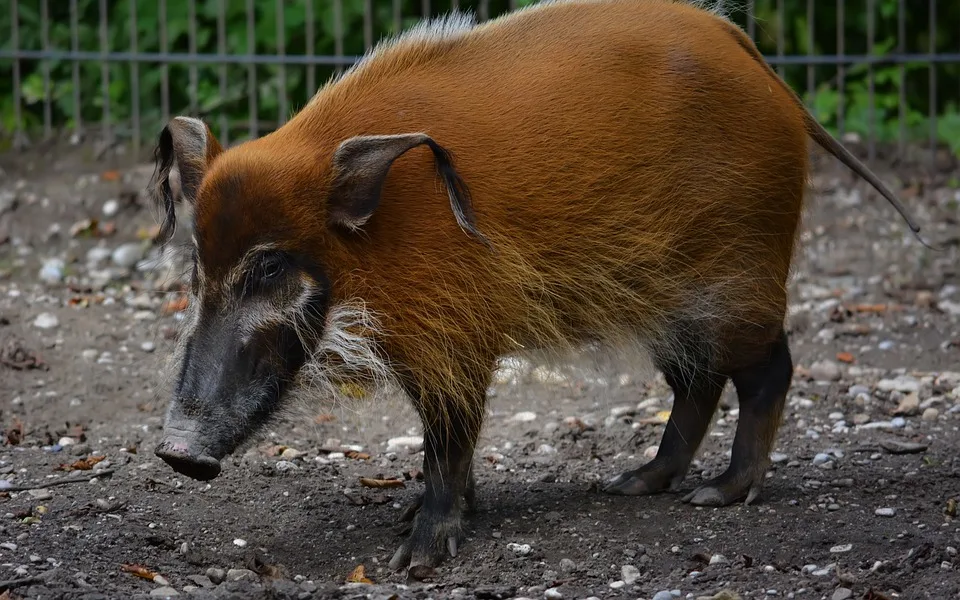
x: 271, y: 218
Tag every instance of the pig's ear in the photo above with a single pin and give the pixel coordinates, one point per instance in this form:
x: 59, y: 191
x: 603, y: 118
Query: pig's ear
x: 189, y: 144
x: 360, y: 166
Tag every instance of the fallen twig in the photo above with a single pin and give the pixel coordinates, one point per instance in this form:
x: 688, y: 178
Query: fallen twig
x: 40, y: 486
x: 15, y: 583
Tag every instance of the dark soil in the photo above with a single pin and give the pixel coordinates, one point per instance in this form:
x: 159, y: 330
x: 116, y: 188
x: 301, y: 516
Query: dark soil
x: 303, y: 523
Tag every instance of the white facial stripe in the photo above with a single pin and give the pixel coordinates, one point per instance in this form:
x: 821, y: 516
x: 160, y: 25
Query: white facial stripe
x: 267, y: 316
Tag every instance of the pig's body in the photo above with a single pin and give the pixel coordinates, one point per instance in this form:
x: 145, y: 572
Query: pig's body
x: 631, y: 172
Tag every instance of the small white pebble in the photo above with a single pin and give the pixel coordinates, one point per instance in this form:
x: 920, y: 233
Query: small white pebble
x: 520, y: 549
x: 523, y: 417
x: 239, y: 542
x: 885, y: 512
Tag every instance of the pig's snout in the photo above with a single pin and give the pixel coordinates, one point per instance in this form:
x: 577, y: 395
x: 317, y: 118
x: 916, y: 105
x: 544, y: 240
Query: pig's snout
x: 184, y: 458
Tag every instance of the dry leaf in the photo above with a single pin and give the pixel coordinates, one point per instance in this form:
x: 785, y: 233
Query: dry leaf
x: 576, y: 423
x: 658, y: 419
x: 17, y: 356
x: 110, y: 175
x: 275, y: 450
x: 356, y: 455
x: 876, y: 308
x: 381, y: 483
x: 358, y: 576
x: 15, y: 434
x: 174, y: 305
x: 325, y: 418
x: 845, y: 357
x: 84, y: 464
x: 84, y: 227
x: 107, y: 229
x: 139, y: 571
x: 255, y: 563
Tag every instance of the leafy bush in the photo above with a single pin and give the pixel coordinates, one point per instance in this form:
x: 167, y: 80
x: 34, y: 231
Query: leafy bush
x: 198, y: 89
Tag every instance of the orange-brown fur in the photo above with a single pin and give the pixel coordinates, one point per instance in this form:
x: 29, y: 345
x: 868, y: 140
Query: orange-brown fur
x: 677, y: 191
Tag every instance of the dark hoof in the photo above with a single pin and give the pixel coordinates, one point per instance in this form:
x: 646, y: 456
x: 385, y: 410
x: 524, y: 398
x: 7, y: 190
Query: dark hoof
x: 652, y: 478
x: 196, y: 466
x: 726, y: 490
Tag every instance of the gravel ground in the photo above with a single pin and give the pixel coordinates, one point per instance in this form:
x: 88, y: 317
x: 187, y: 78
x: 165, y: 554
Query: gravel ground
x: 860, y: 500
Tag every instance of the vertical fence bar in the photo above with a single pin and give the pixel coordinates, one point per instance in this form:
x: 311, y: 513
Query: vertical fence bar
x: 252, y: 71
x: 811, y: 40
x: 17, y: 98
x: 164, y: 66
x: 455, y: 4
x: 338, y: 31
x: 75, y: 66
x: 105, y: 72
x: 397, y: 16
x: 134, y: 82
x: 871, y: 84
x: 933, y: 83
x: 47, y: 105
x: 425, y: 8
x: 483, y: 12
x: 841, y: 69
x: 781, y: 35
x: 192, y: 49
x: 222, y: 51
x: 901, y: 49
x: 751, y: 19
x: 311, y: 41
x: 367, y: 24
x: 282, y: 68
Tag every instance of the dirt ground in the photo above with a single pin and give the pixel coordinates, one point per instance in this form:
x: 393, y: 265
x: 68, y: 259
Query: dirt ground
x: 860, y: 501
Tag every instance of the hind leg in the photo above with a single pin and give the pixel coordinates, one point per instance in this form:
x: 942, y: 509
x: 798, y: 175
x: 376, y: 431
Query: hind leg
x: 761, y: 390
x: 695, y: 401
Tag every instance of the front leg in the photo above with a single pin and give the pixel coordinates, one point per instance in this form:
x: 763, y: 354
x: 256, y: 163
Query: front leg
x: 451, y: 430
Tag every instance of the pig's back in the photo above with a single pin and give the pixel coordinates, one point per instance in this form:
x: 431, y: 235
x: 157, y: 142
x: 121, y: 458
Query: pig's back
x: 575, y: 103
x: 629, y: 145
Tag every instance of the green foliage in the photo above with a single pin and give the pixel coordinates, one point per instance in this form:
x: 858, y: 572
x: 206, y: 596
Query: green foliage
x: 864, y: 113
x: 223, y: 93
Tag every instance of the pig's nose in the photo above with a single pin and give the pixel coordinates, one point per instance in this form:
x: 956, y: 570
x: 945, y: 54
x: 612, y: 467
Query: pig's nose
x: 176, y: 453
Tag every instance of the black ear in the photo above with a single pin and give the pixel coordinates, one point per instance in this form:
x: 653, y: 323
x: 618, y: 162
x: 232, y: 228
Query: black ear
x: 361, y: 165
x: 189, y: 144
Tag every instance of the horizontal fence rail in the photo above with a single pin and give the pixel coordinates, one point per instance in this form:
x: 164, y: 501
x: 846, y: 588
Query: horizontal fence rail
x: 120, y: 69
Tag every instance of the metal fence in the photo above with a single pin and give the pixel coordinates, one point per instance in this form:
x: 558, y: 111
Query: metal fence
x: 269, y: 56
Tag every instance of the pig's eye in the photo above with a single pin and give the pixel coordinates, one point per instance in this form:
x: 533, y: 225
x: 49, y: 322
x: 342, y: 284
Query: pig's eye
x: 271, y: 267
